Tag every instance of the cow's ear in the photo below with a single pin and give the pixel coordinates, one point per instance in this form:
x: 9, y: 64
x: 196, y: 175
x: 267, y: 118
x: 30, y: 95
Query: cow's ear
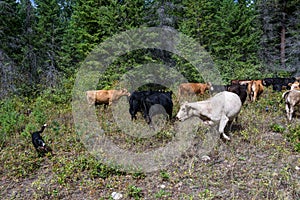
x: 187, y: 107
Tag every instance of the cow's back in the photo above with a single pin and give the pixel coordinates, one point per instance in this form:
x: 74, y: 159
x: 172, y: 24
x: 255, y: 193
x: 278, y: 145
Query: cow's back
x: 240, y: 90
x: 103, y: 96
x: 227, y: 103
x: 188, y: 88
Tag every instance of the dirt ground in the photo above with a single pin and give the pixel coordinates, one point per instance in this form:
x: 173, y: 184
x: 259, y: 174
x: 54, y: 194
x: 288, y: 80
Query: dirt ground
x: 258, y: 163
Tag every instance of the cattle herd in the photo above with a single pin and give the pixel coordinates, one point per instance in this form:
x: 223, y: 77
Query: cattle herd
x: 219, y: 110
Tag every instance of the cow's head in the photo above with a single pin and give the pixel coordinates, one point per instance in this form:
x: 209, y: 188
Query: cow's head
x: 125, y: 92
x: 209, y: 85
x: 267, y: 82
x: 295, y: 85
x: 183, y: 112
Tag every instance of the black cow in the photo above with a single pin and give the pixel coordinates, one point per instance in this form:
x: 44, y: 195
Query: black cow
x: 136, y: 102
x: 143, y: 101
x: 278, y: 83
x: 218, y: 88
x: 240, y: 90
x: 152, y: 101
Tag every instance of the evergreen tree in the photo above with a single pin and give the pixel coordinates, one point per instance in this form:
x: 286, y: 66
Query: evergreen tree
x: 234, y: 40
x: 227, y: 30
x: 10, y: 48
x: 10, y: 24
x: 29, y: 63
x: 90, y: 23
x: 280, y: 41
x: 93, y: 22
x: 197, y: 21
x: 50, y: 29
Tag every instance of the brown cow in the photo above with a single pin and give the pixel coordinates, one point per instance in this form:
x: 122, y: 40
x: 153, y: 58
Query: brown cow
x: 193, y: 88
x: 255, y: 89
x: 106, y: 97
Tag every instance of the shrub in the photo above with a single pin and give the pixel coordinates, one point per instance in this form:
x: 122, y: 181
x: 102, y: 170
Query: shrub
x: 294, y: 136
x: 11, y: 120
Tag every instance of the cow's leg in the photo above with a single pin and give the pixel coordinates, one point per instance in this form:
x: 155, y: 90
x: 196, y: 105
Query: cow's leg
x: 222, y: 125
x: 289, y: 111
x: 250, y: 96
x: 229, y: 125
x: 133, y: 117
x: 254, y: 96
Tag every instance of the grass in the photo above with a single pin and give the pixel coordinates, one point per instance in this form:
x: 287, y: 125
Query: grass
x: 260, y: 162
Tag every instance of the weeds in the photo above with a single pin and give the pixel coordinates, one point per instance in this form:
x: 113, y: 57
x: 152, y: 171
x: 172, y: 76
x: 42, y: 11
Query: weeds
x: 259, y: 163
x: 294, y: 136
x: 164, y: 175
x: 134, y: 192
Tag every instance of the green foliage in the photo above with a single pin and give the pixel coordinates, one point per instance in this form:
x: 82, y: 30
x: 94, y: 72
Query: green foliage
x: 277, y: 128
x: 279, y: 24
x: 162, y: 193
x: 294, y: 136
x: 227, y: 30
x: 134, y: 192
x: 164, y: 175
x: 11, y: 119
x: 40, y: 109
x: 206, y: 194
x: 25, y: 166
x: 10, y: 23
x: 139, y: 175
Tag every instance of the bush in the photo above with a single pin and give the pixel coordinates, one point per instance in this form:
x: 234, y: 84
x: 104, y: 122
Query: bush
x: 294, y: 136
x: 11, y: 120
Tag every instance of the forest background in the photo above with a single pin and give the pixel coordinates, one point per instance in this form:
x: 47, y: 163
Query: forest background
x: 43, y: 43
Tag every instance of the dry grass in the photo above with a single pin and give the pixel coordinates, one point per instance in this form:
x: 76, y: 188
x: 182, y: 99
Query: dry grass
x: 259, y: 163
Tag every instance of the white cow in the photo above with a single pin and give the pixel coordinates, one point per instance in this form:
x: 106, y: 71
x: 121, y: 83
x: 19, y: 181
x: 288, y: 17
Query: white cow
x: 218, y: 110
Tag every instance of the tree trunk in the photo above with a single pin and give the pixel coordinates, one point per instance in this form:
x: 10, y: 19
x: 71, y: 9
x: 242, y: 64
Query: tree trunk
x: 283, y: 36
x: 282, y: 42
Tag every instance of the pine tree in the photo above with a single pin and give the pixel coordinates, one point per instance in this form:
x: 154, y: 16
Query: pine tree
x: 50, y: 29
x: 227, y: 30
x: 90, y: 23
x: 280, y: 26
x: 93, y: 22
x: 29, y: 64
x: 10, y: 28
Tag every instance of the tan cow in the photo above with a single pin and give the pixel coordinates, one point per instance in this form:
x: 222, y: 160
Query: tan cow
x: 106, y: 97
x: 295, y: 85
x: 292, y: 99
x: 255, y: 89
x: 193, y: 88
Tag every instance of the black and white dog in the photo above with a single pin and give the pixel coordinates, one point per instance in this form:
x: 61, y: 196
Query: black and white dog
x: 39, y: 143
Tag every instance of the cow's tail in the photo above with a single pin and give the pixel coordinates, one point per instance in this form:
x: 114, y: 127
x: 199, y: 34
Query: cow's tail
x: 285, y: 95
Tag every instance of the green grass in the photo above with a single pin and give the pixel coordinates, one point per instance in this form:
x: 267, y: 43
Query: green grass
x: 259, y: 163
